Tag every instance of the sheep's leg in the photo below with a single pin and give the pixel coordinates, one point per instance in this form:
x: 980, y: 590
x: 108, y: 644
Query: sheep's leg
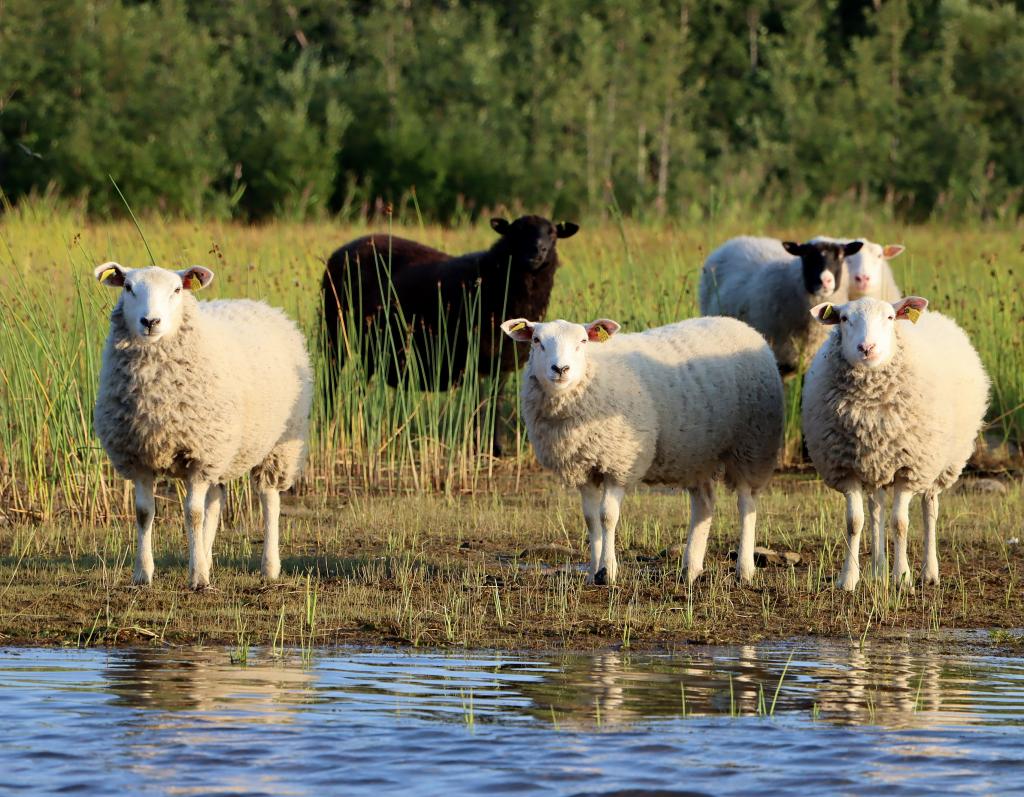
x: 930, y: 514
x: 591, y: 497
x: 748, y: 521
x: 901, y: 521
x: 195, y: 517
x: 876, y: 510
x: 214, y: 500
x: 702, y: 507
x: 270, y: 500
x: 611, y: 501
x: 145, y: 511
x: 854, y: 525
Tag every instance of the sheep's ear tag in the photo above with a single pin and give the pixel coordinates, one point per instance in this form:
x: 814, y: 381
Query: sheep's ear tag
x: 602, y: 334
x: 827, y: 312
x: 912, y: 314
x: 517, y: 327
x: 107, y: 273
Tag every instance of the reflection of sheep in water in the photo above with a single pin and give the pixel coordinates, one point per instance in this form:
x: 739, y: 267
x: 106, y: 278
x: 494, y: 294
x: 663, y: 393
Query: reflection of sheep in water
x: 204, y: 392
x: 680, y: 404
x: 155, y: 680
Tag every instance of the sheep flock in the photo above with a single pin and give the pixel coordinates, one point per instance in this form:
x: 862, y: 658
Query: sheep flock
x: 893, y: 394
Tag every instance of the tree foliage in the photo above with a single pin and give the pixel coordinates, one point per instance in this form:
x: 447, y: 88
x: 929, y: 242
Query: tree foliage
x: 661, y: 107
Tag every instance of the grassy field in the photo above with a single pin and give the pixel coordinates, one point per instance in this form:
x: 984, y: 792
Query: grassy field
x: 405, y: 528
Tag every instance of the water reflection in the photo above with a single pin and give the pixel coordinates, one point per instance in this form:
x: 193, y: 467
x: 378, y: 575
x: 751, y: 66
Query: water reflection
x: 903, y: 717
x: 899, y: 685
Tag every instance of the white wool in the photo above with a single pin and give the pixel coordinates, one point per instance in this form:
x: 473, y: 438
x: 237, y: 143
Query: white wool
x: 890, y: 403
x: 681, y: 404
x: 205, y: 392
x: 757, y: 281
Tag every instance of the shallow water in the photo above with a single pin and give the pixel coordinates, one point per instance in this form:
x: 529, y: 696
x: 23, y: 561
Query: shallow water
x: 908, y: 719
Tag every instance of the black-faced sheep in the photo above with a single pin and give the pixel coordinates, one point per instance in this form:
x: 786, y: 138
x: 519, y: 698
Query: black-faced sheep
x: 771, y: 285
x: 436, y: 302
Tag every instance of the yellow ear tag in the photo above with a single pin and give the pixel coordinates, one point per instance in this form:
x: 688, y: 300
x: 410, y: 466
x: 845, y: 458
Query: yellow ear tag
x: 517, y: 327
x: 827, y: 312
x: 107, y: 273
x: 602, y: 335
x: 913, y: 314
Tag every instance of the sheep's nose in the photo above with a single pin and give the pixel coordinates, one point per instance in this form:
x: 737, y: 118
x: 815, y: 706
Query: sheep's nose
x: 149, y: 323
x: 560, y: 370
x: 862, y: 279
x: 866, y: 348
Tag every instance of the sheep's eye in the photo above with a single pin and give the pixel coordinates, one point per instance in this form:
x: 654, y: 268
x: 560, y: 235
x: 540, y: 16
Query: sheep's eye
x: 584, y: 340
x: 178, y: 289
x: 128, y: 287
x: 892, y: 318
x: 536, y: 340
x: 843, y: 318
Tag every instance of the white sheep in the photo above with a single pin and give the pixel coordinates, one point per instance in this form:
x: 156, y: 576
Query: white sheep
x: 204, y: 392
x: 771, y: 285
x: 896, y: 396
x: 870, y: 272
x: 680, y: 404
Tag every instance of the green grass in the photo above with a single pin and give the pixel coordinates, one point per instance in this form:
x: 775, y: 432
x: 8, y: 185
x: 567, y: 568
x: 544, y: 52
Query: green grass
x: 379, y: 439
x: 489, y: 570
x: 404, y: 527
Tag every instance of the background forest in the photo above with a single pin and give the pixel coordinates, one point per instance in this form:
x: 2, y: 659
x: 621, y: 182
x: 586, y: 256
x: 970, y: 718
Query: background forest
x: 677, y: 108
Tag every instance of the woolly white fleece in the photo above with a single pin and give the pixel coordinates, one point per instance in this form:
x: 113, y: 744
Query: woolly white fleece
x: 230, y: 392
x: 757, y: 281
x: 680, y: 404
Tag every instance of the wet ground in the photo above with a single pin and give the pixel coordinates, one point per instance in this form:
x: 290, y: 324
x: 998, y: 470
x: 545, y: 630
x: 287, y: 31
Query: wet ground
x: 805, y: 716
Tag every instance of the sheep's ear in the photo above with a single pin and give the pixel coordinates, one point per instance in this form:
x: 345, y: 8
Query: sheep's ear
x: 500, y: 226
x: 599, y: 331
x: 852, y: 248
x: 518, y: 329
x: 825, y: 313
x: 793, y: 248
x: 566, y: 229
x: 889, y: 251
x: 110, y: 274
x: 910, y: 309
x: 195, y: 278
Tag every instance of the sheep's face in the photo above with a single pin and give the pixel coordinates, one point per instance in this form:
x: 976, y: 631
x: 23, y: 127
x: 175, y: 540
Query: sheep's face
x: 822, y: 264
x: 531, y: 239
x: 867, y: 267
x: 558, y: 357
x: 151, y: 298
x: 867, y: 327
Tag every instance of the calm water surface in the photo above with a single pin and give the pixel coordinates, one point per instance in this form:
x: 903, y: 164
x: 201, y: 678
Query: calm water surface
x: 903, y: 719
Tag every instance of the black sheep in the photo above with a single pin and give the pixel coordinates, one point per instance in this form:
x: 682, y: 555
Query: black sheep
x: 419, y: 294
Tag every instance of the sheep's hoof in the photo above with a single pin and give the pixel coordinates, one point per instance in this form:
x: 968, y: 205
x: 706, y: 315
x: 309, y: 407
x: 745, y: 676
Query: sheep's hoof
x: 140, y: 578
x: 204, y: 588
x: 601, y: 577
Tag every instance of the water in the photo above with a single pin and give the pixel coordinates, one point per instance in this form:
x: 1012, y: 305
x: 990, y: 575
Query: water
x: 911, y: 718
